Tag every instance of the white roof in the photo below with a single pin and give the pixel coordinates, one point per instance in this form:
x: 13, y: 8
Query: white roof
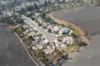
x: 45, y: 41
x: 68, y: 39
x: 55, y: 40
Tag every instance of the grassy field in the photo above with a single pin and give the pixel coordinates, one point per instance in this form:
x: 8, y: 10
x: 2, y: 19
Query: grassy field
x: 19, y: 29
x: 75, y: 32
x: 62, y: 35
x: 70, y: 49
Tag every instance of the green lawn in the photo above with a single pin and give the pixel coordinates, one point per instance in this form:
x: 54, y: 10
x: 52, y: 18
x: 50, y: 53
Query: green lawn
x: 75, y: 32
x: 19, y: 29
x: 62, y: 35
x: 70, y: 49
x: 62, y: 26
x: 55, y: 33
x: 35, y: 31
x: 40, y: 35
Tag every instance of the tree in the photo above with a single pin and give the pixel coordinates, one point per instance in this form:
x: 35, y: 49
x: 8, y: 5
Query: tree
x: 43, y: 15
x: 35, y: 6
x: 20, y: 15
x: 59, y: 2
x: 92, y: 2
x: 49, y: 2
x: 0, y: 13
x: 45, y: 3
x: 49, y: 30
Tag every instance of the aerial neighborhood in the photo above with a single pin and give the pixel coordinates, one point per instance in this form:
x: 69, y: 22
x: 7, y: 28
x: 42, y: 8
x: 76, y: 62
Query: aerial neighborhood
x: 42, y: 36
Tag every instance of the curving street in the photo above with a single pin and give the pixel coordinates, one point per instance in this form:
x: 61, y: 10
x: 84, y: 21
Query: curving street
x: 49, y: 37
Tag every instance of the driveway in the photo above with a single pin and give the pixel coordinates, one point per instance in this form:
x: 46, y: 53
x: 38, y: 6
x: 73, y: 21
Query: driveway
x: 49, y: 37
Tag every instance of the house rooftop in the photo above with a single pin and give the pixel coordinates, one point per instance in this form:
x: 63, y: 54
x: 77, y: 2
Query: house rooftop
x: 64, y: 30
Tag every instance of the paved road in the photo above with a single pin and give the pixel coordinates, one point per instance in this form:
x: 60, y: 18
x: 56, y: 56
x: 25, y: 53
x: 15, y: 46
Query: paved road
x: 11, y: 51
x: 48, y: 36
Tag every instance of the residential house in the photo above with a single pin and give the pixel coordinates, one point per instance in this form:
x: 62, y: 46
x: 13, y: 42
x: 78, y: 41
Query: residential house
x: 67, y: 0
x: 28, y: 12
x: 49, y: 27
x: 19, y: 25
x: 34, y: 48
x: 55, y: 41
x: 60, y: 46
x: 3, y: 2
x: 37, y: 14
x: 26, y: 31
x: 31, y: 34
x: 41, y: 22
x: 38, y: 3
x: 33, y: 43
x: 84, y: 0
x: 45, y: 41
x: 17, y: 8
x: 38, y: 19
x: 61, y: 0
x: 52, y: 1
x: 55, y: 28
x: 49, y: 49
x: 68, y: 40
x: 64, y: 31
x: 44, y: 24
x: 40, y: 45
x: 25, y: 27
x: 7, y: 13
x: 42, y: 1
x: 32, y: 3
x: 48, y: 24
x: 23, y: 5
x: 31, y: 29
x: 28, y: 4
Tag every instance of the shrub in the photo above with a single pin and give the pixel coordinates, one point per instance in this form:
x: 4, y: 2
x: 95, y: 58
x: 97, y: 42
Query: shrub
x: 49, y: 30
x: 35, y: 31
x: 62, y: 26
x: 19, y: 30
x: 44, y: 27
x: 40, y: 35
x: 55, y: 32
x: 75, y: 32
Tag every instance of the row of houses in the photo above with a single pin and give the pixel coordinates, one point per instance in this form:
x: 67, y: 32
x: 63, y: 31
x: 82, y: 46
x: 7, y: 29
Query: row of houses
x: 5, y: 2
x: 52, y: 27
x: 6, y: 13
x: 40, y: 43
x: 29, y: 31
x: 74, y: 0
x: 27, y: 4
x: 49, y: 47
